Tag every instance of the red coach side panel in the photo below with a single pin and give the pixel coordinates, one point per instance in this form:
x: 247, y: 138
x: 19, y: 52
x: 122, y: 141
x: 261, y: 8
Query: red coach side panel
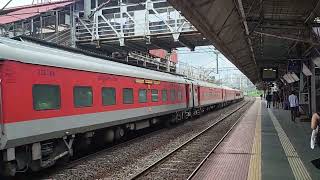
x: 18, y: 79
x: 210, y: 95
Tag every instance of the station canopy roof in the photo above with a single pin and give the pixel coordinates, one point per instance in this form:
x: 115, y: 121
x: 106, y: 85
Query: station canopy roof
x: 256, y: 33
x: 19, y: 13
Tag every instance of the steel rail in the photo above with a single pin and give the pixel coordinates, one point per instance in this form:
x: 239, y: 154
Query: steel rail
x: 136, y: 176
x: 214, y: 148
x: 77, y: 161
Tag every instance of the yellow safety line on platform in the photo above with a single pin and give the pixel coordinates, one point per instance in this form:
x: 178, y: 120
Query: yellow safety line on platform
x: 254, y: 172
x: 297, y: 166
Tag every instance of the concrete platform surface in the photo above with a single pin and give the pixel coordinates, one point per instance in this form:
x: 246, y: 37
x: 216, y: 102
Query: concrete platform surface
x: 265, y: 144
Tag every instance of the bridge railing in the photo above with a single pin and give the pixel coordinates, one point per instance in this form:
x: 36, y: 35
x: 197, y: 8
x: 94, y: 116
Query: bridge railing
x: 147, y: 19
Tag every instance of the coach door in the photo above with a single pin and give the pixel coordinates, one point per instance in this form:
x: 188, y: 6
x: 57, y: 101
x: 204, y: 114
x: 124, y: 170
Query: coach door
x: 195, y: 95
x: 1, y: 111
x: 223, y: 95
x: 199, y: 96
x: 188, y: 95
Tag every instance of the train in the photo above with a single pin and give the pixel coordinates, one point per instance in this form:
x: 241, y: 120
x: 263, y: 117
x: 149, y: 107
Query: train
x: 53, y: 101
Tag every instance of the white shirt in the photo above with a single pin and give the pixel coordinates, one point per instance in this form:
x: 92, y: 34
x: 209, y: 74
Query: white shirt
x: 293, y: 100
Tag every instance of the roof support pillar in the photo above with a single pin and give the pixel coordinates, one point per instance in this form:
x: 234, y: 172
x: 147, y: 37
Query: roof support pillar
x: 31, y: 27
x: 87, y: 8
x: 243, y: 15
x: 313, y: 88
x: 41, y: 26
x: 73, y: 27
x: 57, y: 22
x: 304, y: 92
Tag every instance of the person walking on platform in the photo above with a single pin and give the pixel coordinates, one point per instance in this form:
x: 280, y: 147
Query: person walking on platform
x: 315, y: 121
x: 269, y: 99
x: 275, y: 100
x: 294, y: 105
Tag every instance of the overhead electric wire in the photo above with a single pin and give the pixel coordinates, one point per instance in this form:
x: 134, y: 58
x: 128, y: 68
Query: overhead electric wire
x: 5, y: 5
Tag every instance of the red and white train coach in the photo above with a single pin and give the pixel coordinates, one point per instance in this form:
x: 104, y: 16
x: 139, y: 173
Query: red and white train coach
x: 53, y: 101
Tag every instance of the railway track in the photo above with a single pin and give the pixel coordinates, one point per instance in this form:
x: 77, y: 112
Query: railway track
x: 184, y: 161
x: 46, y: 173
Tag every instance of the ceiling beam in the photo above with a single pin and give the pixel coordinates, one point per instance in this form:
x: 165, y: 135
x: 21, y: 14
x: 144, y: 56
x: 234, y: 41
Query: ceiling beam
x: 204, y: 3
x: 313, y: 13
x: 273, y: 21
x: 226, y: 20
x: 243, y: 16
x: 287, y: 38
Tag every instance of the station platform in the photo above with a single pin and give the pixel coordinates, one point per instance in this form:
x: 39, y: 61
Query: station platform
x: 265, y: 144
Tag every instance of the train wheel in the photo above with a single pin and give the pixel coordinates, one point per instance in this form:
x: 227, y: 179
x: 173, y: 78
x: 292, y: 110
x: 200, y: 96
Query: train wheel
x: 119, y: 133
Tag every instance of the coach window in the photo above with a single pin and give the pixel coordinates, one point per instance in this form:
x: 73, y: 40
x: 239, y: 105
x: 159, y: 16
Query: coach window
x: 164, y: 95
x: 108, y: 96
x: 172, y: 95
x: 46, y: 97
x: 82, y: 96
x: 142, y: 95
x: 127, y: 96
x: 154, y: 95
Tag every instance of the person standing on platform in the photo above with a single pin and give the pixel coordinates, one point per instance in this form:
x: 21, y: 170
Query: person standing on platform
x: 315, y: 121
x: 269, y: 99
x: 275, y: 99
x: 294, y: 105
x: 281, y: 100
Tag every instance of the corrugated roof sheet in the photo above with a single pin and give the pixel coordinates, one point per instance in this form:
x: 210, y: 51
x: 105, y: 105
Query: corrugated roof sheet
x: 29, y: 11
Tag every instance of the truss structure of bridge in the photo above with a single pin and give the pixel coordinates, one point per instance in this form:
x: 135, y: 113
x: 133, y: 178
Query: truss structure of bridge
x: 140, y: 26
x: 131, y: 27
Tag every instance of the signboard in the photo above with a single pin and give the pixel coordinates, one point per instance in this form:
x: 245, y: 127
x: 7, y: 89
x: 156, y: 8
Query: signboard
x: 294, y: 66
x: 269, y: 74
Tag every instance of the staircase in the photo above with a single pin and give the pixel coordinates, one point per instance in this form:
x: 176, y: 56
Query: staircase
x: 60, y: 37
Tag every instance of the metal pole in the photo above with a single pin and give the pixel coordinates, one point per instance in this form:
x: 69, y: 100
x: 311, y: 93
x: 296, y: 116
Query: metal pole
x: 72, y: 27
x: 22, y: 27
x: 87, y: 8
x: 41, y: 34
x: 57, y: 21
x: 5, y: 5
x: 121, y: 19
x: 313, y: 88
x: 217, y: 60
x: 32, y: 27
